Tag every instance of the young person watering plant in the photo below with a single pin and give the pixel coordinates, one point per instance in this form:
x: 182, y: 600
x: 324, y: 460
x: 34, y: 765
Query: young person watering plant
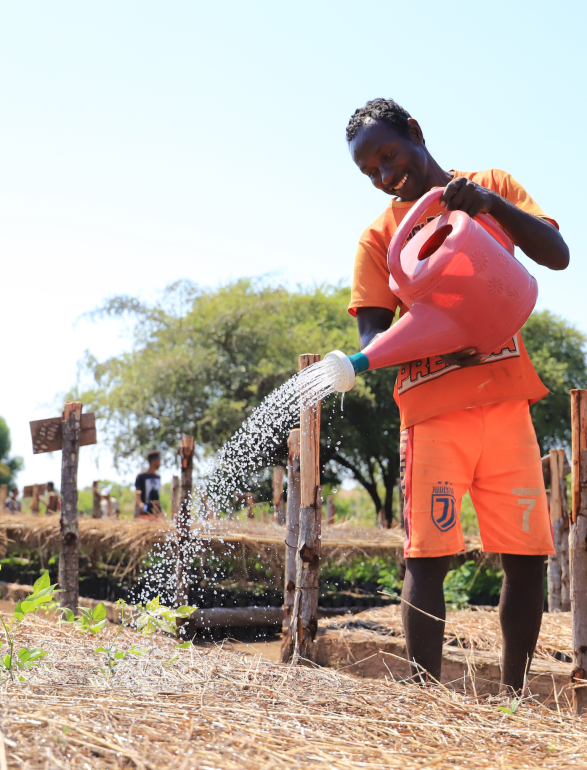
x: 465, y: 415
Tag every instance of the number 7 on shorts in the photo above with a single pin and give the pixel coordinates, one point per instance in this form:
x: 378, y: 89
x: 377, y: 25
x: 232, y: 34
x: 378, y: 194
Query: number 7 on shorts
x: 529, y: 503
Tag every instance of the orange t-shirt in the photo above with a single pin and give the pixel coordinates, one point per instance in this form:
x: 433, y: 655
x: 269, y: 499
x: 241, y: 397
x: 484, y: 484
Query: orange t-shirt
x: 427, y: 388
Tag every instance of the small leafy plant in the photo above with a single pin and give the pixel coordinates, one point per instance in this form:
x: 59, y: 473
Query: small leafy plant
x: 511, y: 710
x: 115, y: 657
x: 456, y: 586
x: 89, y: 621
x: 154, y: 617
x: 25, y: 658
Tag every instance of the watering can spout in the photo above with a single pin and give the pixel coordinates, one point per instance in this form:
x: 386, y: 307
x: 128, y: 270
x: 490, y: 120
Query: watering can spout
x: 345, y: 367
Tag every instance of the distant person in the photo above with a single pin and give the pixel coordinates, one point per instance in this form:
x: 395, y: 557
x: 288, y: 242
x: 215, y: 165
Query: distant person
x: 109, y: 505
x: 52, y: 501
x: 148, y: 483
x: 13, y: 503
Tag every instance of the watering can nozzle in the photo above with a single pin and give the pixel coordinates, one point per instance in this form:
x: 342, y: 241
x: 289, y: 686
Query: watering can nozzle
x: 346, y: 367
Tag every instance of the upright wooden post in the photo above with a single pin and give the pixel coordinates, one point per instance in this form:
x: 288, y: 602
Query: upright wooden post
x: 250, y: 500
x: 304, y: 624
x: 330, y: 510
x: 174, y: 497
x: 278, y: 507
x: 69, y: 556
x: 186, y: 452
x: 578, y: 548
x: 3, y: 493
x: 558, y: 564
x: 35, y: 503
x: 96, y: 502
x: 564, y: 541
x: 292, y: 522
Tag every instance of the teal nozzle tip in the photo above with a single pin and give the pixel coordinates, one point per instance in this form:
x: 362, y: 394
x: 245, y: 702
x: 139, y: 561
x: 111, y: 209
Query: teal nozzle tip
x: 360, y: 362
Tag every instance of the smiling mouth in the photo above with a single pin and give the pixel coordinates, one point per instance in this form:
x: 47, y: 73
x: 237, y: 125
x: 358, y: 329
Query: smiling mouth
x: 400, y: 185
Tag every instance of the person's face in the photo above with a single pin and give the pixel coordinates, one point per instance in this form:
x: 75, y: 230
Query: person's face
x: 395, y: 164
x: 15, y: 492
x: 156, y: 463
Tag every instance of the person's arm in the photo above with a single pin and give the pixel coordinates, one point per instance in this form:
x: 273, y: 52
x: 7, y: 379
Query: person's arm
x: 371, y: 322
x: 141, y: 486
x: 537, y: 238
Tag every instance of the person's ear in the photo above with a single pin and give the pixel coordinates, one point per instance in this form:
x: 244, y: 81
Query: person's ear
x: 416, y: 134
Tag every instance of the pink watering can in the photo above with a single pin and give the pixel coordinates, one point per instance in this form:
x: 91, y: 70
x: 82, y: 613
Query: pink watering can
x: 463, y: 287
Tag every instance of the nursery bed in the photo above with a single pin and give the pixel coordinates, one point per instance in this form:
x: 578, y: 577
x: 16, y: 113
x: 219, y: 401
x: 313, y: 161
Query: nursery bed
x: 218, y: 708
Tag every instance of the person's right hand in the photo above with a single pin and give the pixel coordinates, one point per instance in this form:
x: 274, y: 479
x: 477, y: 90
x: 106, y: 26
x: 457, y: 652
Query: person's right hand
x: 464, y: 358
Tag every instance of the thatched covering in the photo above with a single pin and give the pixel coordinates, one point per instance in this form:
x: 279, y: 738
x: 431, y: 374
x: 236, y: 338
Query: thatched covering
x: 131, y: 540
x: 473, y: 629
x: 372, y: 644
x: 220, y: 709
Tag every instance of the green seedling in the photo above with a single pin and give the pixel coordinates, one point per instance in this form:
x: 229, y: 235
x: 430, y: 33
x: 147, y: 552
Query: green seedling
x: 115, y: 657
x: 42, y: 596
x: 155, y: 617
x: 512, y: 709
x: 88, y: 621
x: 182, y: 646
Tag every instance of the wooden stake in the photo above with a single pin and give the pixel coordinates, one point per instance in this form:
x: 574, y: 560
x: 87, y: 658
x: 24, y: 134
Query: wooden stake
x: 250, y: 501
x: 174, y: 497
x: 69, y: 556
x: 186, y: 452
x: 558, y: 564
x: 35, y: 503
x: 278, y: 506
x: 96, y: 502
x: 330, y: 510
x: 578, y: 548
x: 304, y: 624
x: 291, y: 540
x: 3, y: 493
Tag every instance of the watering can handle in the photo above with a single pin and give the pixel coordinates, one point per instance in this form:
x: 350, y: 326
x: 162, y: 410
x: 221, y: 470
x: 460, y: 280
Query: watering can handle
x: 395, y: 247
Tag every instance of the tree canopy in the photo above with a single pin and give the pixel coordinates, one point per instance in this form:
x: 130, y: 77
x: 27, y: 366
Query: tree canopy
x: 9, y: 466
x: 557, y: 350
x: 202, y: 360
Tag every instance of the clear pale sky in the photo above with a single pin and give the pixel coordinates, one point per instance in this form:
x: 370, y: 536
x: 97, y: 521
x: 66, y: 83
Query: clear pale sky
x: 143, y: 142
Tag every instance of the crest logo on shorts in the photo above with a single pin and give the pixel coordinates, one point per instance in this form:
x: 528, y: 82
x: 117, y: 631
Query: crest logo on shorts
x: 443, y: 507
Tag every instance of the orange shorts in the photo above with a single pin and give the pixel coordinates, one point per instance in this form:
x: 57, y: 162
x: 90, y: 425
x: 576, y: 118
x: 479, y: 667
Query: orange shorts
x: 490, y: 450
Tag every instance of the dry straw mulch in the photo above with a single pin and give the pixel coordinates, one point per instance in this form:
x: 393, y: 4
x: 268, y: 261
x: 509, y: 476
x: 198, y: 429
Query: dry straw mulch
x: 215, y: 708
x: 471, y: 629
x: 134, y: 539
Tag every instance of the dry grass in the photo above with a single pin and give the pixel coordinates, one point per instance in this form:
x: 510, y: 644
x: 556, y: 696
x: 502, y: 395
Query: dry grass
x: 476, y: 629
x: 222, y: 709
x: 135, y: 538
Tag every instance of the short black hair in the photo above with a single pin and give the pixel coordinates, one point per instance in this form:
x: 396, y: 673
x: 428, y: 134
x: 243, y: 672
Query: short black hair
x: 153, y: 455
x: 51, y: 485
x: 385, y: 110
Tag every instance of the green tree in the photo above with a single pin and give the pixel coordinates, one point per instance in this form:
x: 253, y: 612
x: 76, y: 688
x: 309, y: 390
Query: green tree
x: 202, y: 360
x: 9, y: 467
x: 557, y: 350
x: 368, y: 432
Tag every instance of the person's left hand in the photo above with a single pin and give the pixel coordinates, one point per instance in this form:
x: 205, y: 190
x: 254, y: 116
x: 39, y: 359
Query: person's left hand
x: 464, y: 358
x: 463, y: 195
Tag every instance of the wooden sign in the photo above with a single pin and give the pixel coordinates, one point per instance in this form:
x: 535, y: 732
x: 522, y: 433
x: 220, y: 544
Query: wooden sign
x: 47, y: 436
x: 28, y: 491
